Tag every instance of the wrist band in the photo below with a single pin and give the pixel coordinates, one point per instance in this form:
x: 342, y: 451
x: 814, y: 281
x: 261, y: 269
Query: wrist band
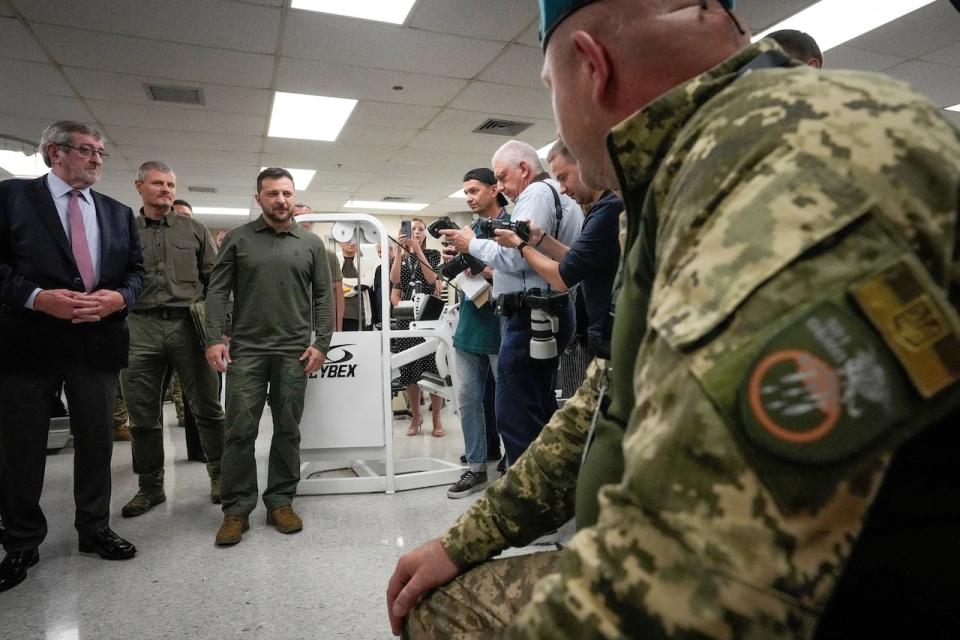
x: 521, y: 246
x: 539, y: 242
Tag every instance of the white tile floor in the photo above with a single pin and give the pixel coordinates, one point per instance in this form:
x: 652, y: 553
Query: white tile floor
x: 328, y: 581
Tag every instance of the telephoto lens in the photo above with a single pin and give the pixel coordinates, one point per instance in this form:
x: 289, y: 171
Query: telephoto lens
x: 543, y: 344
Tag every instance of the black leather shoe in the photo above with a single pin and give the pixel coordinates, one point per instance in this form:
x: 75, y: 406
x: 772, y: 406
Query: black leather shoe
x: 13, y: 569
x: 108, y: 545
x: 3, y: 534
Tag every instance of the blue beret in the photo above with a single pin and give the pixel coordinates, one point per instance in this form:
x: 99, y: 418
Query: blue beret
x: 553, y: 12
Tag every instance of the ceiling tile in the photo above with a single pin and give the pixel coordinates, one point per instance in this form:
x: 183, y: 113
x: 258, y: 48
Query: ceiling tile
x: 460, y: 121
x: 26, y: 128
x: 939, y: 82
x: 515, y: 101
x: 953, y: 117
x: 239, y: 26
x: 177, y: 119
x: 848, y: 57
x: 927, y: 29
x: 392, y: 115
x: 167, y: 139
x: 947, y: 55
x: 155, y: 58
x: 33, y: 78
x: 328, y: 156
x: 531, y: 37
x: 299, y: 75
x: 189, y: 156
x: 51, y: 108
x: 519, y: 65
x: 17, y: 43
x: 341, y: 40
x: 490, y: 19
x: 6, y: 9
x: 763, y: 14
x: 120, y: 87
x: 465, y: 142
x: 365, y: 134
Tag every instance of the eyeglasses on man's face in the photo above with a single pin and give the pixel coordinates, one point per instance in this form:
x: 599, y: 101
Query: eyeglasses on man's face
x: 86, y: 150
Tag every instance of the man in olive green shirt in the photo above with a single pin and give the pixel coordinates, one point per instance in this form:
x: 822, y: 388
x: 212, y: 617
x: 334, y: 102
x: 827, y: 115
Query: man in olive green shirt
x: 279, y: 276
x: 178, y: 255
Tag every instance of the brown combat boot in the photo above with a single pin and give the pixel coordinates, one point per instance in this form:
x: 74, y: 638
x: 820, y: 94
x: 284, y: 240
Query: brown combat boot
x: 121, y: 433
x: 231, y: 531
x: 285, y: 519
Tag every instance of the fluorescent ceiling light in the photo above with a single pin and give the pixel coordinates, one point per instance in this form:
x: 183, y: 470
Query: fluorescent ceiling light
x: 833, y: 22
x: 306, y: 117
x: 955, y: 107
x: 543, y: 151
x: 222, y: 211
x: 301, y: 177
x: 376, y: 204
x: 393, y: 11
x: 20, y: 165
x: 458, y: 194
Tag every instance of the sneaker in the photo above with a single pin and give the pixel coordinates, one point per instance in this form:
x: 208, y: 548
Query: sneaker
x: 285, y: 519
x: 231, y: 531
x: 142, y: 502
x: 469, y: 482
x: 502, y: 465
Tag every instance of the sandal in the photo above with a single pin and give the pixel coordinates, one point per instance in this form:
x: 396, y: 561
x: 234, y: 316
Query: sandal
x: 415, y: 423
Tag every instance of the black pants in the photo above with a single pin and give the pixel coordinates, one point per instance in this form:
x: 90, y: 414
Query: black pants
x: 25, y: 410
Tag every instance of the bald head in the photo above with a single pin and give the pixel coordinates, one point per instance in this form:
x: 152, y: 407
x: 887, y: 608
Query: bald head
x: 612, y: 57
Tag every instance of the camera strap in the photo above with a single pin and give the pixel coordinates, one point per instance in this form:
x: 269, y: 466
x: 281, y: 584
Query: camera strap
x: 557, y: 208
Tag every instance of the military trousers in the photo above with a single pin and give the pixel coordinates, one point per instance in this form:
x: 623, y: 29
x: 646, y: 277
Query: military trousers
x: 480, y: 603
x: 159, y: 342
x: 249, y: 381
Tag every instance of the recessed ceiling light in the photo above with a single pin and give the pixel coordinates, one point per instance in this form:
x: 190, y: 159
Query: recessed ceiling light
x: 222, y: 211
x: 393, y: 11
x: 543, y: 151
x: 306, y: 117
x: 301, y: 177
x: 833, y: 22
x: 955, y: 107
x: 21, y: 165
x: 376, y: 204
x: 458, y: 194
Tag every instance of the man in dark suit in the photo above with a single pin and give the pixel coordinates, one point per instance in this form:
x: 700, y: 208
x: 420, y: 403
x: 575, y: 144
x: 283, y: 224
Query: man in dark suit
x: 70, y: 269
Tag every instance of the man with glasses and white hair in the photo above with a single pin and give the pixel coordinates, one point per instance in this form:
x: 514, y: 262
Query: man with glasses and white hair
x: 70, y: 269
x: 525, y: 397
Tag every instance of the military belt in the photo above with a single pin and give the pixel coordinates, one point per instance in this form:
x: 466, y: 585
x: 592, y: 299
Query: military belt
x: 164, y: 313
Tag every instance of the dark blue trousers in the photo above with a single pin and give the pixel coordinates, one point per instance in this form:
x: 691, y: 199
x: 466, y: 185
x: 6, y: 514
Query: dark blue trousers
x: 525, y: 397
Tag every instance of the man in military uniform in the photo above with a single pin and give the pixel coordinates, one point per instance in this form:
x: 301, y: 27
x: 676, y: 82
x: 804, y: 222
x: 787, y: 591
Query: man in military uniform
x: 279, y: 276
x: 776, y: 437
x: 178, y: 256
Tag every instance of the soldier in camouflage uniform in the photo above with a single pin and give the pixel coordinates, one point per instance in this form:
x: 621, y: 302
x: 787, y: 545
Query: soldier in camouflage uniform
x: 785, y: 350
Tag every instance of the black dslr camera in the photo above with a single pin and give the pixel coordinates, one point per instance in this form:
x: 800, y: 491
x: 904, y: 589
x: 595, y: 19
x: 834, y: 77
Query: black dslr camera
x: 488, y: 225
x: 544, y: 324
x: 462, y: 261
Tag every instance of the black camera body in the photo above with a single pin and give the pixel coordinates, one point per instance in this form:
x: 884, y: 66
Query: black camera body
x: 544, y: 307
x: 462, y: 261
x: 487, y: 226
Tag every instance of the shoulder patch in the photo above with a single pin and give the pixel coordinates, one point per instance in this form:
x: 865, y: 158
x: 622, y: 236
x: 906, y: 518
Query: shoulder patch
x: 823, y: 388
x: 914, y: 324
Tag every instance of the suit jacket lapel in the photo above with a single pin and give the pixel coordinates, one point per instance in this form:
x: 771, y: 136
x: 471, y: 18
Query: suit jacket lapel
x: 39, y: 193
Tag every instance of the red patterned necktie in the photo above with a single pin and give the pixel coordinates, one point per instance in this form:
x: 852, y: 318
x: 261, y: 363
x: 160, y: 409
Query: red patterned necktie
x: 78, y: 240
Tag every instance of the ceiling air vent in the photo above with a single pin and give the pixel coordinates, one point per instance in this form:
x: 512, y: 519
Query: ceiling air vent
x: 202, y: 189
x: 396, y: 198
x: 180, y: 95
x: 508, y: 128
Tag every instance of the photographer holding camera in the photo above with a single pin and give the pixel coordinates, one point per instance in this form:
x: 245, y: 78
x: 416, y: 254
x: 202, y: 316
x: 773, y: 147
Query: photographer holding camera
x: 477, y: 342
x: 525, y: 398
x: 593, y: 258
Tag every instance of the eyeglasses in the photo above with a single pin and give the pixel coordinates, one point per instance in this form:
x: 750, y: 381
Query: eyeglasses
x: 86, y: 151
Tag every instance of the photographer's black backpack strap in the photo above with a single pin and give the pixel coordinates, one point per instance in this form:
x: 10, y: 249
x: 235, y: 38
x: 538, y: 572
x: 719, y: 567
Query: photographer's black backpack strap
x: 557, y: 208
